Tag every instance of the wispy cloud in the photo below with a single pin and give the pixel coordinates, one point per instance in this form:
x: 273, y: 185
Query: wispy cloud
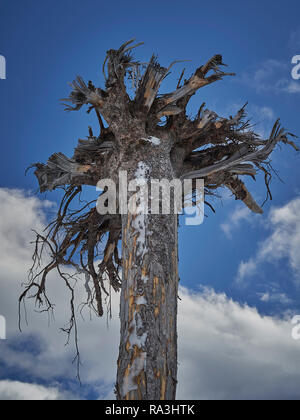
x: 234, y: 221
x: 272, y: 76
x: 283, y: 242
x: 265, y: 112
x: 247, y: 269
x: 281, y: 298
x: 262, y: 117
x: 292, y: 87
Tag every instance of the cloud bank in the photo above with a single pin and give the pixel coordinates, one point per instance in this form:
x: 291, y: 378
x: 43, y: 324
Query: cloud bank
x: 14, y: 390
x: 226, y: 350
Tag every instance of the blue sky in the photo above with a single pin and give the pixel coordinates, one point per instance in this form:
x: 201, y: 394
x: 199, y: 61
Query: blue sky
x: 46, y: 44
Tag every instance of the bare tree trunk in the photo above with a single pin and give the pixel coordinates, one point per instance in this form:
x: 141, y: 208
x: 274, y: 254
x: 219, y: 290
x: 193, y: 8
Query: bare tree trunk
x: 147, y: 364
x: 215, y: 149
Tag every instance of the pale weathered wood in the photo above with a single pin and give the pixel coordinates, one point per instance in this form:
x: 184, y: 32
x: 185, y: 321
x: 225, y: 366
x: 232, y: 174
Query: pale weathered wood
x: 60, y: 171
x: 243, y: 155
x: 197, y: 81
x: 150, y: 84
x: 238, y: 188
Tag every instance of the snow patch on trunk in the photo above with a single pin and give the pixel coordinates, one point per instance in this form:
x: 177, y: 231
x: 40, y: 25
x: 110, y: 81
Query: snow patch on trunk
x: 141, y: 300
x: 140, y: 219
x: 136, y: 341
x: 136, y: 368
x: 142, y: 170
x: 154, y: 140
x: 137, y: 337
x: 134, y: 338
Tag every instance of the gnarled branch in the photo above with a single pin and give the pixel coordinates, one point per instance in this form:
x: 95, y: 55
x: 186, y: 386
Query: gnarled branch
x: 197, y: 81
x: 60, y: 171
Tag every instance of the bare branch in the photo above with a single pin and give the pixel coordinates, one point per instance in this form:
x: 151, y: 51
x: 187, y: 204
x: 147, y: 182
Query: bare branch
x: 60, y: 171
x: 245, y: 153
x: 169, y: 110
x: 118, y: 61
x: 150, y: 84
x: 82, y: 94
x: 238, y: 188
x: 75, y: 233
x: 197, y: 81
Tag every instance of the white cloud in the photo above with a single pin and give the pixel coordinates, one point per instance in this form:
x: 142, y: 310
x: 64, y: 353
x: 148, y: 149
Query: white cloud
x: 19, y: 215
x: 272, y: 76
x: 283, y: 242
x: 225, y: 350
x: 292, y: 87
x: 20, y: 391
x: 275, y: 297
x: 262, y: 117
x: 229, y: 351
x: 264, y: 74
x: 266, y: 112
x: 247, y: 269
x: 239, y: 215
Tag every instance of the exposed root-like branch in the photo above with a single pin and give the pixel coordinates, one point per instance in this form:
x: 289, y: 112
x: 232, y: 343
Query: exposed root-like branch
x: 73, y: 240
x: 197, y: 81
x: 238, y: 188
x: 240, y: 152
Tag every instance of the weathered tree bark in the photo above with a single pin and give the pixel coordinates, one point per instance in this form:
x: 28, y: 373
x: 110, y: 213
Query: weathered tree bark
x: 147, y: 364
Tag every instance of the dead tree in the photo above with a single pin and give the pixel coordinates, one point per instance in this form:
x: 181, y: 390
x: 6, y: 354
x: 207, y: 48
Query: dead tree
x: 219, y: 150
